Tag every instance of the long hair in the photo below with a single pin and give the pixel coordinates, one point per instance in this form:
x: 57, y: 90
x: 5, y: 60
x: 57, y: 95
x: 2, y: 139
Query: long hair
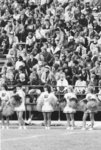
x: 48, y: 87
x: 5, y: 86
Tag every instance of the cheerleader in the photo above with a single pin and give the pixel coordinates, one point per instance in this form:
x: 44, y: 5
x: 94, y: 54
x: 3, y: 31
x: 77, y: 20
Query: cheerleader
x: 91, y: 107
x: 46, y: 103
x: 70, y: 108
x: 5, y: 97
x: 20, y: 109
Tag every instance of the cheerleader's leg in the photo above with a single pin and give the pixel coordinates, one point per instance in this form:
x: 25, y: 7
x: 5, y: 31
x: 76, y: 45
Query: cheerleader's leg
x: 84, y: 119
x: 7, y: 119
x: 20, y: 118
x: 3, y: 121
x: 92, y: 119
x: 68, y: 120
x: 72, y: 120
x: 45, y: 119
x: 49, y: 119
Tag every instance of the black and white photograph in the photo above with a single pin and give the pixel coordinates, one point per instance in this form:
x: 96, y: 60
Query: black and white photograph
x: 50, y: 74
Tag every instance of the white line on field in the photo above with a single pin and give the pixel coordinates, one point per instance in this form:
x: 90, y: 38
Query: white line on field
x: 20, y: 138
x: 36, y: 136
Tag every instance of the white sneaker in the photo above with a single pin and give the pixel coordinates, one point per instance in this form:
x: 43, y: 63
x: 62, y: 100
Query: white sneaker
x: 7, y: 127
x: 90, y: 129
x: 20, y: 127
x: 2, y: 127
x: 83, y: 129
x: 68, y: 128
x: 72, y: 128
x: 24, y: 127
x: 48, y: 128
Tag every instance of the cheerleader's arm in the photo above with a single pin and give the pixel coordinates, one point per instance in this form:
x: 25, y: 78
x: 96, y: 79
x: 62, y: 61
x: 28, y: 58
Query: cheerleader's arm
x: 83, y: 100
x: 9, y: 98
x: 97, y: 99
x: 99, y: 96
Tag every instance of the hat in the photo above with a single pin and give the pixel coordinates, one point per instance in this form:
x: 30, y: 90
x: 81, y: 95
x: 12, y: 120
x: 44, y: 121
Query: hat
x: 95, y: 8
x: 47, y: 67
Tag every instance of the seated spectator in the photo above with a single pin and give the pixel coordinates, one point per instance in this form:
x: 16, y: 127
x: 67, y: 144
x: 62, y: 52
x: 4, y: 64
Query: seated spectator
x: 21, y: 76
x: 19, y: 63
x: 62, y: 83
x: 32, y: 61
x: 80, y: 86
x: 34, y: 78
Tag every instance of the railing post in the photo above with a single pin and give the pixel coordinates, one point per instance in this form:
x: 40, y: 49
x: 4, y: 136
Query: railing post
x: 59, y: 111
x: 25, y: 105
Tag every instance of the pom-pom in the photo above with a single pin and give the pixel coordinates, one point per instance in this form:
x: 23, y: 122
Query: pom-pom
x: 7, y: 110
x: 53, y: 100
x: 16, y: 100
x: 73, y: 103
x: 83, y: 105
x: 92, y: 106
x: 39, y: 106
x: 62, y: 105
x: 38, y: 92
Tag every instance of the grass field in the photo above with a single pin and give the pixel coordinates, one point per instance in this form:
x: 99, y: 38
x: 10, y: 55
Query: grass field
x: 57, y: 138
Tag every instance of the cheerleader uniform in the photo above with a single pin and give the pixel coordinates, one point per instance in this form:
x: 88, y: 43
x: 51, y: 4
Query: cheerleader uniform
x: 5, y: 97
x: 68, y: 108
x: 47, y: 107
x: 22, y: 105
x: 92, y: 103
x: 46, y: 102
x: 6, y: 108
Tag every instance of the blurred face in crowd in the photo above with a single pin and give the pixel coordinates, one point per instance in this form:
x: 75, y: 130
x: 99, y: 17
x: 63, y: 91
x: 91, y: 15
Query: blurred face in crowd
x: 43, y: 50
x: 62, y: 77
x: 18, y: 88
x: 47, y: 69
x: 30, y: 35
x: 47, y: 24
x: 31, y: 57
x: 20, y: 47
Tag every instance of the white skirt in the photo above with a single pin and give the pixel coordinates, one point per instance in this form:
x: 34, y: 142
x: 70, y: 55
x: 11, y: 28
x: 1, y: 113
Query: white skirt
x: 20, y: 108
x: 68, y: 109
x: 47, y: 108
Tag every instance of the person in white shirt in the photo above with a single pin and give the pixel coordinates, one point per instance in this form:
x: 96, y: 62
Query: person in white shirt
x: 30, y: 39
x: 94, y: 48
x: 81, y: 49
x: 19, y: 63
x: 62, y: 83
x: 80, y: 86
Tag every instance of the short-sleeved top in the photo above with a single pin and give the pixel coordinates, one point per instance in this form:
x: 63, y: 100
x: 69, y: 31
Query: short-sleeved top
x: 68, y: 96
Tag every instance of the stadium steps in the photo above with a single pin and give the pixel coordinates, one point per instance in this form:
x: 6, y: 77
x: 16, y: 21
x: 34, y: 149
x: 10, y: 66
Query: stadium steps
x: 2, y: 60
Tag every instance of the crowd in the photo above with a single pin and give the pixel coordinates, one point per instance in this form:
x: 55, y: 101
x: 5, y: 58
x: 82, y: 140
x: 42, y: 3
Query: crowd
x: 54, y: 42
x: 44, y: 42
